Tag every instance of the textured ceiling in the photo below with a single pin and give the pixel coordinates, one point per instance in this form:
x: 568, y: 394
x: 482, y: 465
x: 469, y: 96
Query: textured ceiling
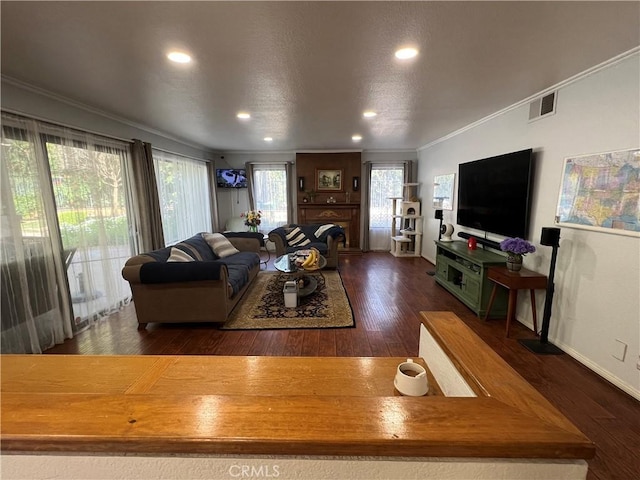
x: 307, y: 70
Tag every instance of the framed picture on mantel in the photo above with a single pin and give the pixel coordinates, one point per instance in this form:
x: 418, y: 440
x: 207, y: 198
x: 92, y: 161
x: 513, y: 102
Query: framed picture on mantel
x: 329, y: 180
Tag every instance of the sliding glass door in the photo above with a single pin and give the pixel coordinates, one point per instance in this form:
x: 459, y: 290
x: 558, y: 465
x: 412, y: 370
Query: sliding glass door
x: 88, y: 176
x: 66, y: 231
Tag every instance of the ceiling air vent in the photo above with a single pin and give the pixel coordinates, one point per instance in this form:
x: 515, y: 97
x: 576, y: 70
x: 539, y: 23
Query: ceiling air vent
x: 543, y: 106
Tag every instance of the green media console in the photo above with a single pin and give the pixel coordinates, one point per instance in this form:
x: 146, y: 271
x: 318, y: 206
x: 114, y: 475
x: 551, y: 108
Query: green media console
x: 463, y: 272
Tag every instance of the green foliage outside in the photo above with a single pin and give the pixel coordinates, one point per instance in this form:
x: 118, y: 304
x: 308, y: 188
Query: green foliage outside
x: 81, y: 181
x: 110, y: 231
x: 73, y: 218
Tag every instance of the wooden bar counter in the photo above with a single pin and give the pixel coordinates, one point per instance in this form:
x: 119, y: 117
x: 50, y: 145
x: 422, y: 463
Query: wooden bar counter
x: 279, y: 406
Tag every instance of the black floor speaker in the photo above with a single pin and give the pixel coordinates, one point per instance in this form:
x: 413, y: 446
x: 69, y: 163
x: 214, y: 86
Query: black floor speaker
x: 550, y: 237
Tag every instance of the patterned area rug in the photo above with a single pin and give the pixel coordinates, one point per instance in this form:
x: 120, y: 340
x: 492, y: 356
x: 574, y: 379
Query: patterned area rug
x: 262, y: 306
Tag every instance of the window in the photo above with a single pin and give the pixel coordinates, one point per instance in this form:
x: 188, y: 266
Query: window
x: 93, y: 211
x: 386, y: 182
x: 183, y: 188
x: 66, y: 206
x: 270, y: 192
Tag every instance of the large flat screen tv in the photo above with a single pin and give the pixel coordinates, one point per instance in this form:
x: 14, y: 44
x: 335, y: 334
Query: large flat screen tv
x: 231, y: 178
x: 494, y: 194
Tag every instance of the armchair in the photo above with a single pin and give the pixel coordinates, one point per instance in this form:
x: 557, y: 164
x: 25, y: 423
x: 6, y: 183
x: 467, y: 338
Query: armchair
x: 324, y: 237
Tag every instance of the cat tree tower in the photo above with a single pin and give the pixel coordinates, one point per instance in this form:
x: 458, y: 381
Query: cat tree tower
x: 406, y: 223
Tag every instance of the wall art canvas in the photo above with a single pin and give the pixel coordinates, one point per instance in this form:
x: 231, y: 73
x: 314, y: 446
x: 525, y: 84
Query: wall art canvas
x: 329, y: 180
x: 443, y: 191
x: 601, y: 192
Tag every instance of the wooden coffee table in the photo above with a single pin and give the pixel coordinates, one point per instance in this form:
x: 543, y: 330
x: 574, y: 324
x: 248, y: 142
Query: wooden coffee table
x: 286, y: 265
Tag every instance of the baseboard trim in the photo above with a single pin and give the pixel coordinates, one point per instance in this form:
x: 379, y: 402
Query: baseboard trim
x: 594, y: 367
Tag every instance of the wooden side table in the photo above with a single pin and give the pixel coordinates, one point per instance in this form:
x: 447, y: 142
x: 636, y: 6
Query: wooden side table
x: 514, y: 281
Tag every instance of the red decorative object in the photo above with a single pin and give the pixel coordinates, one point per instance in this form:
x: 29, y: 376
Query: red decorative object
x: 472, y: 243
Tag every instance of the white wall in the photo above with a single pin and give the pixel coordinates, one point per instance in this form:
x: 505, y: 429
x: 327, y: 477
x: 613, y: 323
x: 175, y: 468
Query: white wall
x: 68, y: 467
x: 234, y: 201
x: 597, y: 282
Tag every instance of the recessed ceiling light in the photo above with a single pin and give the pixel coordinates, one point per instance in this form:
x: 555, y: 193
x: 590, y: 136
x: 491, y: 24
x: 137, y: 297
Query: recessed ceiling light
x: 406, y: 53
x: 179, y: 57
x: 369, y: 114
x: 356, y: 138
x: 268, y: 139
x: 244, y: 115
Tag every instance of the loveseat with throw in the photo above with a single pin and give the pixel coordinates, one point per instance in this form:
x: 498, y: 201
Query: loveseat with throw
x: 324, y: 237
x: 199, y: 279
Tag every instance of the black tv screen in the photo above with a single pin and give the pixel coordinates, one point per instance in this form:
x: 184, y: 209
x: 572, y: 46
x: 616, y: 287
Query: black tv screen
x: 231, y: 178
x: 494, y: 194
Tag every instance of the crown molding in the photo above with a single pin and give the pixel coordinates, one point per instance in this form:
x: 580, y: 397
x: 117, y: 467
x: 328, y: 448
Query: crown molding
x: 257, y: 152
x: 526, y: 101
x: 91, y: 109
x: 293, y: 152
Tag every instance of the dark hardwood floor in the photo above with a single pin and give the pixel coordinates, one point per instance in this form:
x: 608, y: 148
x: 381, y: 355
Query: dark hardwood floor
x: 387, y: 294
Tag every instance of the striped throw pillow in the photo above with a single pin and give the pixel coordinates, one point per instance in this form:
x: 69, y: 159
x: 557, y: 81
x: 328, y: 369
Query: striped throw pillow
x: 178, y: 255
x: 297, y: 238
x: 220, y: 244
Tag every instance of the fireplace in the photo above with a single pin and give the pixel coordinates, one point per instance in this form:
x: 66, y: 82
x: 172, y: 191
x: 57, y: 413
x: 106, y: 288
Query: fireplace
x: 345, y: 215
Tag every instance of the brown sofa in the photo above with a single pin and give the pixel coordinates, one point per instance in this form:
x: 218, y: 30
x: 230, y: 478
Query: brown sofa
x: 204, y: 290
x: 324, y: 237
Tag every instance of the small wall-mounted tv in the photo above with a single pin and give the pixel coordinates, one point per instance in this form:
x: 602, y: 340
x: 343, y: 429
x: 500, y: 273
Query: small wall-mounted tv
x: 494, y: 194
x: 231, y: 178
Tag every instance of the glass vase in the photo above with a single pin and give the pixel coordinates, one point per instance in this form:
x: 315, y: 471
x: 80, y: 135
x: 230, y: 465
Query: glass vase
x: 514, y: 262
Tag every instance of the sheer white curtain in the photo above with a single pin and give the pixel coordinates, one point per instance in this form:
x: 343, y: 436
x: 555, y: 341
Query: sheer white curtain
x: 67, y: 199
x: 385, y: 182
x: 90, y: 177
x: 183, y: 187
x: 270, y: 194
x: 36, y: 308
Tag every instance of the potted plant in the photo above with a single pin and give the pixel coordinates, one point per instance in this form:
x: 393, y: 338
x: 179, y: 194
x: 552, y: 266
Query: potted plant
x: 311, y: 194
x: 516, y: 248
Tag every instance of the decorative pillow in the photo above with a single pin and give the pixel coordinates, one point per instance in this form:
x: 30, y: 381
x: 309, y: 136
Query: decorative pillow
x: 220, y: 244
x: 191, y: 250
x: 178, y: 255
x: 323, y: 229
x: 297, y: 238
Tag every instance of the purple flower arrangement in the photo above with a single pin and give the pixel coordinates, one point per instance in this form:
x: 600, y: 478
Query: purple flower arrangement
x: 516, y: 246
